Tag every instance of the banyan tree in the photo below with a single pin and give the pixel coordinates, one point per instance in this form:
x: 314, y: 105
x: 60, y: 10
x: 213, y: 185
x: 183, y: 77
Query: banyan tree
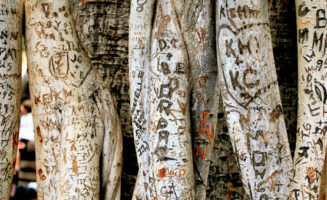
x: 174, y: 55
x: 164, y: 64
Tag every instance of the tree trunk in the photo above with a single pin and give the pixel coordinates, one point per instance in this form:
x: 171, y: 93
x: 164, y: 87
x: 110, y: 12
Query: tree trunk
x: 74, y: 116
x: 141, y: 18
x: 102, y: 27
x: 312, y: 61
x: 197, y: 22
x: 323, y: 186
x: 251, y: 98
x: 169, y: 128
x: 167, y: 99
x: 10, y: 90
x: 224, y: 181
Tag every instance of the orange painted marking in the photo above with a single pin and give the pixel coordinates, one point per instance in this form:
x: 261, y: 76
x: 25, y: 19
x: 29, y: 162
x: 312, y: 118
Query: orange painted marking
x: 75, y: 168
x: 38, y: 130
x: 311, y: 173
x: 162, y: 173
x: 200, y: 98
x: 204, y: 131
x: 203, y: 121
x: 202, y: 81
x: 306, y: 22
x: 201, y: 35
x: 182, y: 109
x: 182, y: 172
x: 199, y: 150
x: 42, y: 176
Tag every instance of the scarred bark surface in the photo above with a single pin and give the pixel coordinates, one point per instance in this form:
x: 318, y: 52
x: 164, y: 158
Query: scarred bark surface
x: 200, y: 48
x: 312, y: 74
x: 141, y: 18
x: 102, y: 27
x: 224, y: 180
x: 74, y: 115
x: 165, y: 144
x: 197, y: 22
x: 92, y: 16
x: 169, y: 126
x: 10, y: 89
x: 251, y: 98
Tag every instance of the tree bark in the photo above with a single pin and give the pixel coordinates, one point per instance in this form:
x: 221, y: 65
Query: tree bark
x: 312, y: 61
x: 11, y: 13
x: 102, y: 27
x: 73, y: 112
x: 323, y: 185
x: 141, y: 17
x: 197, y: 22
x: 168, y: 107
x: 224, y: 181
x: 251, y: 98
x: 163, y: 58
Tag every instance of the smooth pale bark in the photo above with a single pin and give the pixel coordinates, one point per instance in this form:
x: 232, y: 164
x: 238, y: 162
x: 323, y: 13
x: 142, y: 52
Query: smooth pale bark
x: 197, y: 22
x: 74, y: 116
x: 139, y: 191
x: 141, y: 17
x: 312, y: 63
x: 165, y: 143
x: 169, y: 125
x: 11, y: 13
x: 102, y: 28
x: 251, y: 98
x: 112, y: 152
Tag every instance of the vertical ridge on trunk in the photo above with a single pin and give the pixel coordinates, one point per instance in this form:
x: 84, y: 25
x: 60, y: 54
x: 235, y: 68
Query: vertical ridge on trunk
x: 112, y: 153
x: 197, y: 22
x: 141, y: 18
x: 311, y: 122
x: 323, y: 184
x: 170, y: 139
x: 10, y: 89
x: 102, y: 27
x: 73, y: 111
x: 251, y: 98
